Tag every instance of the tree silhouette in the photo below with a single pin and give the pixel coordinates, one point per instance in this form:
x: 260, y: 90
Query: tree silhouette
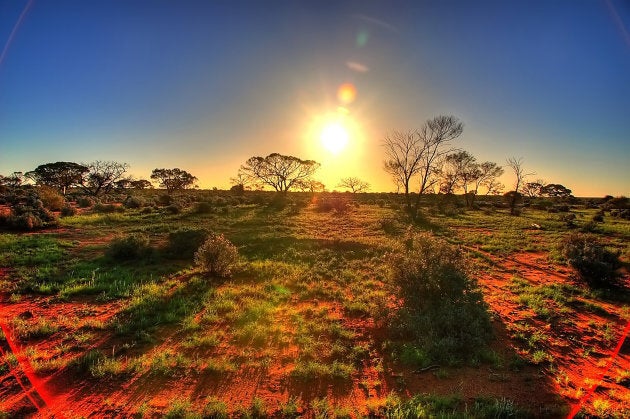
x: 60, y: 175
x: 279, y: 171
x: 354, y: 184
x: 173, y: 179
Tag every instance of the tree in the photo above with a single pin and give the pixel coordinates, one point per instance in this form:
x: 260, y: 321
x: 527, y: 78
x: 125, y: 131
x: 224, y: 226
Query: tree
x: 61, y: 175
x: 489, y: 173
x: 311, y: 185
x: 14, y: 180
x: 279, y: 171
x: 402, y: 159
x: 141, y: 184
x: 354, y: 184
x: 457, y: 171
x: 533, y: 189
x: 517, y: 167
x: 434, y: 135
x: 418, y: 154
x: 514, y: 197
x: 173, y: 179
x: 101, y: 177
x: 555, y: 190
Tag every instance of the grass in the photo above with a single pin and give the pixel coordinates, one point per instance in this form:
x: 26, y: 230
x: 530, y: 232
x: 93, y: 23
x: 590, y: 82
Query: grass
x: 312, y: 295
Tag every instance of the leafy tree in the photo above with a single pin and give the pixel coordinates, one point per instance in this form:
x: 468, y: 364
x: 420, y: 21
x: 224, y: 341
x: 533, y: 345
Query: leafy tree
x: 311, y: 185
x: 173, y: 179
x: 534, y: 189
x: 555, y: 190
x: 354, y: 184
x: 61, y: 175
x: 101, y: 177
x: 279, y: 171
x: 417, y: 154
x: 14, y: 180
x: 490, y: 172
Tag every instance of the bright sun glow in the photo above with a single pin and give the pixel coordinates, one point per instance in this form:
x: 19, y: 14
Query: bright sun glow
x: 334, y: 137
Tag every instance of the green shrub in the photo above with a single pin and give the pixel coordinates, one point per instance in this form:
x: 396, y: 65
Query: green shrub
x: 164, y: 199
x: 68, y: 211
x: 107, y: 208
x: 594, y: 263
x: 443, y: 309
x: 51, y: 199
x: 203, y: 207
x: 85, y: 202
x: 173, y: 209
x: 133, y: 202
x: 130, y: 247
x: 183, y: 244
x: 216, y: 256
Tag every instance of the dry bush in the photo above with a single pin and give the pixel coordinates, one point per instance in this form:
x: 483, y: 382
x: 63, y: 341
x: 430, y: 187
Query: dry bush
x: 216, y: 256
x: 594, y: 263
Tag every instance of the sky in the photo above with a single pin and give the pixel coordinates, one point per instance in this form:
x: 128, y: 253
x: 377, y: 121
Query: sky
x: 204, y: 85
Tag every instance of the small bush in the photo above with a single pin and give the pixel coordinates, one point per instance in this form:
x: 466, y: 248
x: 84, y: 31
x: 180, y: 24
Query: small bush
x: 173, y: 209
x: 164, y: 200
x: 133, y: 202
x: 107, y: 208
x: 339, y: 205
x: 68, y: 211
x: 203, y: 207
x: 443, y: 308
x: 594, y: 263
x: 183, y: 243
x: 85, y: 202
x: 598, y: 218
x: 216, y: 256
x: 134, y: 246
x: 51, y: 199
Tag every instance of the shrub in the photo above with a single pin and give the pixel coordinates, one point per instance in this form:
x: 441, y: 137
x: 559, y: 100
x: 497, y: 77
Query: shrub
x: 164, y: 199
x: 598, y: 218
x: 133, y: 202
x: 68, y: 211
x: 130, y: 247
x: 173, y: 209
x: 107, y: 208
x: 338, y: 204
x: 443, y: 309
x: 216, y: 256
x: 594, y: 263
x: 203, y: 207
x: 27, y: 213
x: 183, y: 243
x: 85, y: 202
x: 51, y: 199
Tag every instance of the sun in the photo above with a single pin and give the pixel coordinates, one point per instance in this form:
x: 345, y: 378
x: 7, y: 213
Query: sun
x: 334, y: 137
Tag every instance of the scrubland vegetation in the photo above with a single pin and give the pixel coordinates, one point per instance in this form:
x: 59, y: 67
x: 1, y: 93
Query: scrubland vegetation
x: 252, y: 304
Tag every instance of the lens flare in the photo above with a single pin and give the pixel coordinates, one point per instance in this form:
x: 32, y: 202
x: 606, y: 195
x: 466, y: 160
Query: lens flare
x: 346, y: 93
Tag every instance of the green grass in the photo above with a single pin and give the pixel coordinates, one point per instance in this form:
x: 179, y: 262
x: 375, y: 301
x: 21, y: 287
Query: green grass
x: 315, y: 285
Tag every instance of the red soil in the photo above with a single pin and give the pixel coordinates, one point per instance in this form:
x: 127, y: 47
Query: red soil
x: 583, y: 359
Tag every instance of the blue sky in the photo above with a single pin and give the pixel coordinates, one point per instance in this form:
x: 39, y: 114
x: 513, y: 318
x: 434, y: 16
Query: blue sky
x: 205, y: 85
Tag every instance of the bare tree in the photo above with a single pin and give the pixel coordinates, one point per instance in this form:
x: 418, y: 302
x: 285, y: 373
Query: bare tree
x: 402, y: 159
x: 418, y: 153
x: 279, y: 171
x: 434, y: 135
x: 514, y: 196
x: 354, y: 184
x: 517, y: 167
